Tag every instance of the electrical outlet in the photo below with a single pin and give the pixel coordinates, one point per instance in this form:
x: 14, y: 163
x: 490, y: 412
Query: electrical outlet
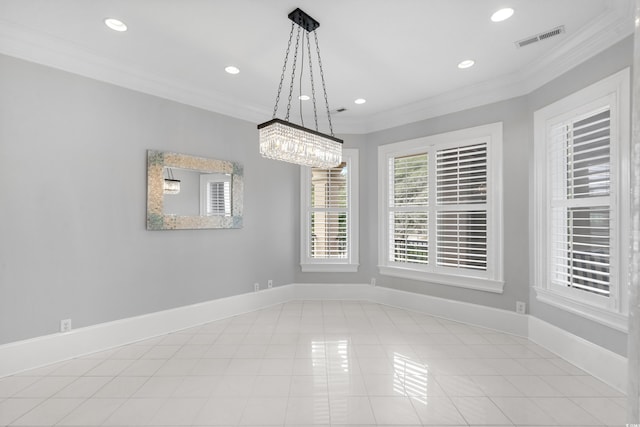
x: 65, y: 325
x: 270, y: 284
x: 521, y: 307
x: 373, y: 281
x: 256, y: 287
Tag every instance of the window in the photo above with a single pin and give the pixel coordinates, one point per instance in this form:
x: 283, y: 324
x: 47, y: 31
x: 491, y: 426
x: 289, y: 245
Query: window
x: 462, y: 180
x: 329, y: 210
x: 580, y: 144
x: 441, y: 208
x: 215, y: 194
x: 408, y: 215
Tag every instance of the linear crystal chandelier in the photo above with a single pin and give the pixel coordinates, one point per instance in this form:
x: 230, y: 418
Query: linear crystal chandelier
x: 289, y: 142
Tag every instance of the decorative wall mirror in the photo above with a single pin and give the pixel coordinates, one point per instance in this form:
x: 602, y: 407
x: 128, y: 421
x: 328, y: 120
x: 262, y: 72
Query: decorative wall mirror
x: 187, y: 192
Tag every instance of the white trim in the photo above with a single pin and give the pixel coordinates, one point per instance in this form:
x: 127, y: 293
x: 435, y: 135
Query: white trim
x: 490, y: 280
x: 615, y: 91
x: 603, y: 364
x: 479, y: 315
x: 32, y: 353
x: 477, y: 283
x: 42, y: 48
x: 351, y: 263
x: 617, y: 321
x: 329, y: 268
x: 331, y: 291
x: 607, y: 29
x: 595, y: 37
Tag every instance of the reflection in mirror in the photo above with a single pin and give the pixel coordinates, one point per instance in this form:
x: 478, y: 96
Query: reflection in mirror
x: 196, y: 193
x: 187, y: 192
x: 171, y: 185
x: 215, y: 194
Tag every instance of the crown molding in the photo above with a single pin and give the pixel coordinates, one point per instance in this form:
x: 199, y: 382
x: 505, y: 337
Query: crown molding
x: 603, y: 32
x: 600, y: 34
x: 44, y: 49
x: 487, y: 92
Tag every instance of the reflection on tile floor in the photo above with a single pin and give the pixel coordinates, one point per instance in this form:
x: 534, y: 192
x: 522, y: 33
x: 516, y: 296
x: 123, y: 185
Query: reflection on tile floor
x: 328, y: 363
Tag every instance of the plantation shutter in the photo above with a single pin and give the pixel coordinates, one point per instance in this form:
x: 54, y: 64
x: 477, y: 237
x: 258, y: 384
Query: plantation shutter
x: 329, y: 211
x: 408, y: 209
x: 219, y: 198
x: 215, y: 194
x: 461, y: 174
x: 580, y: 160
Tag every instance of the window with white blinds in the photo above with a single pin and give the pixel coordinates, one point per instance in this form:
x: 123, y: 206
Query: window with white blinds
x: 327, y: 211
x: 219, y: 198
x: 462, y: 207
x: 580, y: 160
x: 215, y: 194
x: 408, y: 209
x: 581, y: 146
x: 441, y: 208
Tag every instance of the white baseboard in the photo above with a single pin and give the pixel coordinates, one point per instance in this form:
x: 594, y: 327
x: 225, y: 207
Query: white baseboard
x: 333, y: 291
x: 32, y: 353
x: 40, y: 351
x: 603, y: 364
x: 479, y: 315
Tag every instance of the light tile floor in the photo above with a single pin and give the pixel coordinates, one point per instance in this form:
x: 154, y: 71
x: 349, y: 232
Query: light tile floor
x: 328, y: 363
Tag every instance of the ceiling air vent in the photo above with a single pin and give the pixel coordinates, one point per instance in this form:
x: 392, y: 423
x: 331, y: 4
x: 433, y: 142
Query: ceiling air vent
x: 539, y: 37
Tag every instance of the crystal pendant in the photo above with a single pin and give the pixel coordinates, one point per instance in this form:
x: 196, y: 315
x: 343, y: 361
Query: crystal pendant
x: 281, y: 140
x: 171, y: 186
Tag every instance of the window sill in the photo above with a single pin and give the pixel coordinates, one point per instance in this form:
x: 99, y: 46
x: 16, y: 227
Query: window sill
x: 600, y: 315
x: 476, y: 283
x: 329, y: 268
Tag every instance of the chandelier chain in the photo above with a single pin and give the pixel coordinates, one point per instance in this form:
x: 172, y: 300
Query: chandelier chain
x: 283, y: 140
x: 293, y: 73
x: 313, y: 87
x: 300, y: 82
x: 284, y: 70
x: 324, y: 86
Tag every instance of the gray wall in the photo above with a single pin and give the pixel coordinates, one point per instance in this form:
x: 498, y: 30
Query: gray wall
x: 72, y: 207
x: 517, y: 117
x: 602, y: 65
x: 515, y: 128
x: 73, y: 242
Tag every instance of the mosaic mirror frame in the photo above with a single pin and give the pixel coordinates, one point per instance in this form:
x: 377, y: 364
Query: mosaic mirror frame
x: 157, y: 219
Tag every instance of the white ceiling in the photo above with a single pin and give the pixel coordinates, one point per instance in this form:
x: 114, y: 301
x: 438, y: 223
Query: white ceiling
x: 400, y: 55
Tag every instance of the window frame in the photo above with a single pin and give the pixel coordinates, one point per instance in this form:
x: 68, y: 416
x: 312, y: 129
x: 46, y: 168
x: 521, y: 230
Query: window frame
x: 206, y: 179
x: 490, y: 280
x: 614, y: 92
x: 331, y: 265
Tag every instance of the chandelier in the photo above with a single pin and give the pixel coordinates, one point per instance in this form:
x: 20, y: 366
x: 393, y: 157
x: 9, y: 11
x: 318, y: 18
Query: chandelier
x: 290, y: 142
x: 171, y: 185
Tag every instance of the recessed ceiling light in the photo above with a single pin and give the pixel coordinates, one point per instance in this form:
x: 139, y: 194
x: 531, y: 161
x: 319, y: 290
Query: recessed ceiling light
x: 502, y: 14
x: 360, y: 101
x: 466, y: 63
x: 115, y: 24
x: 232, y: 70
x: 304, y: 97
